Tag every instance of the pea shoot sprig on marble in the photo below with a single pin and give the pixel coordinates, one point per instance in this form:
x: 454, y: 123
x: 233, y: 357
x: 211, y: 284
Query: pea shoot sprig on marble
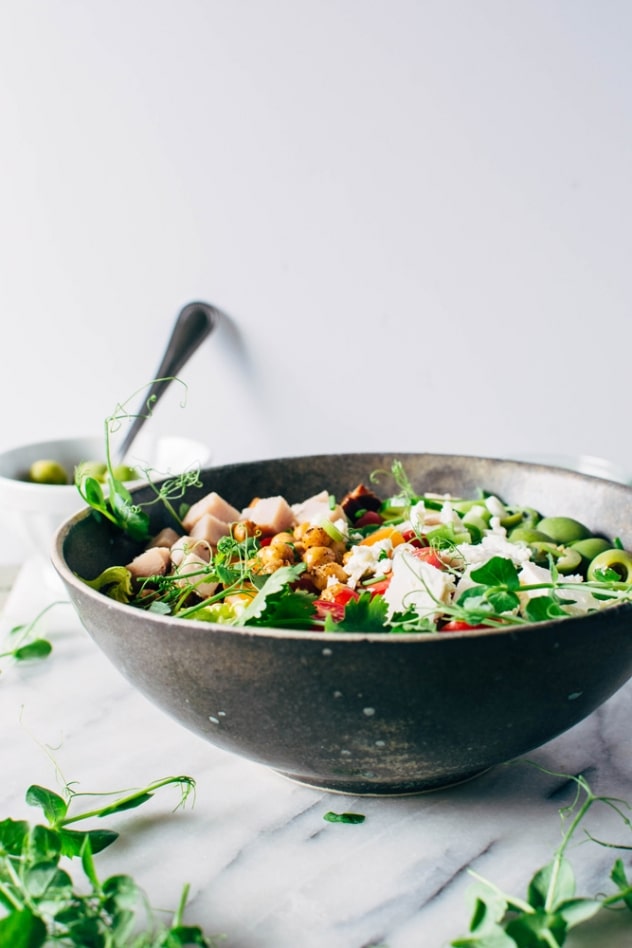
x: 41, y: 904
x: 551, y: 907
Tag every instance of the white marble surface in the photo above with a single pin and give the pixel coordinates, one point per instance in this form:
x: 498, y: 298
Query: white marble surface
x: 265, y: 868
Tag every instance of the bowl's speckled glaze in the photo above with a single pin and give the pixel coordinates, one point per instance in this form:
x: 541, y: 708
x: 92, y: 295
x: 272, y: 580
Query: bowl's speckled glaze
x: 370, y: 714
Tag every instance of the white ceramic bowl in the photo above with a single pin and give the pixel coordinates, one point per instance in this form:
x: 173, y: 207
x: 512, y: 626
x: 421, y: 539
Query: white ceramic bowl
x: 33, y: 512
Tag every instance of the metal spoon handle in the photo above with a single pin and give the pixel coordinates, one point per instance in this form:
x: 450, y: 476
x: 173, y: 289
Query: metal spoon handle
x: 193, y: 324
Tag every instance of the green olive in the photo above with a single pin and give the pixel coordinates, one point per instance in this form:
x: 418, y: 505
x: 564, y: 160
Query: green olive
x: 527, y: 517
x: 567, y: 560
x: 529, y: 535
x: 563, y: 529
x: 513, y: 519
x: 47, y: 472
x: 618, y: 561
x: 590, y: 548
x: 96, y: 469
x: 125, y: 473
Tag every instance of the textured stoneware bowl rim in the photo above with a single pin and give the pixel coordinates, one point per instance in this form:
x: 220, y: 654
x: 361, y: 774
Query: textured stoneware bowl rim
x: 173, y: 622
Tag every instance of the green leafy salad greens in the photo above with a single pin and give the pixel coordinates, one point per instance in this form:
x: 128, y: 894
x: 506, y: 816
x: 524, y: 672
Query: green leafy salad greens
x: 405, y: 562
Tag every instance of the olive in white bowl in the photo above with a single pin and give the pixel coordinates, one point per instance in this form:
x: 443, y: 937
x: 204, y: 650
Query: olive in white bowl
x: 37, y: 489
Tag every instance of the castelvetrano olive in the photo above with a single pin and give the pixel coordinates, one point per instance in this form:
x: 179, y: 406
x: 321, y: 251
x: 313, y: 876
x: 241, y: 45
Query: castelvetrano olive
x: 589, y: 548
x: 618, y: 561
x: 47, y: 471
x: 529, y: 535
x: 563, y: 529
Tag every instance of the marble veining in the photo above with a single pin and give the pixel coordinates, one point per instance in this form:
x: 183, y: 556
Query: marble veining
x: 265, y: 869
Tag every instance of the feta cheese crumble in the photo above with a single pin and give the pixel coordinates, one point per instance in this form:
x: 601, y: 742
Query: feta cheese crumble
x: 416, y: 584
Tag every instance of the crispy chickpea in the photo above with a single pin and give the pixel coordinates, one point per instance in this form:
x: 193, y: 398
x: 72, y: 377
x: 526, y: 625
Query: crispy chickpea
x: 283, y: 543
x: 316, y: 536
x: 284, y: 551
x: 339, y: 549
x: 332, y: 590
x: 321, y: 575
x: 300, y: 530
x: 317, y: 556
x: 284, y: 537
x: 267, y: 554
x: 244, y: 529
x: 266, y: 561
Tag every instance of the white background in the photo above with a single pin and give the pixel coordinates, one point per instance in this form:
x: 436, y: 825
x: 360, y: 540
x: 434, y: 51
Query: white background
x: 417, y: 217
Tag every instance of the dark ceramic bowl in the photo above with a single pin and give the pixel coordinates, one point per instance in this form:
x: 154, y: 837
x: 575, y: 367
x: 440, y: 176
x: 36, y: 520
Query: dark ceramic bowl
x: 366, y: 713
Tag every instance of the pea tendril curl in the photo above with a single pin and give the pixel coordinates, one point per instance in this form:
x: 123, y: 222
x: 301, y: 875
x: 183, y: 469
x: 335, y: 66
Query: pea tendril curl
x: 116, y: 503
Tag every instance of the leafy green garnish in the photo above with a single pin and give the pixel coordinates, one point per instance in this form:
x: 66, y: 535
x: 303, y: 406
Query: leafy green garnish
x: 115, y: 582
x: 40, y: 904
x: 364, y: 614
x: 267, y: 599
x: 551, y: 907
x: 25, y: 644
x: 332, y: 817
x: 116, y: 503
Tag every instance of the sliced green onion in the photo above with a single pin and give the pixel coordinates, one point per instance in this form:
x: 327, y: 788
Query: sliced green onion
x: 332, y: 531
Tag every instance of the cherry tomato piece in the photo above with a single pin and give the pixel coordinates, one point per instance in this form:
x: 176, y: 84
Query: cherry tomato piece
x: 335, y: 607
x: 457, y: 625
x: 411, y: 537
x: 429, y: 555
x: 377, y: 589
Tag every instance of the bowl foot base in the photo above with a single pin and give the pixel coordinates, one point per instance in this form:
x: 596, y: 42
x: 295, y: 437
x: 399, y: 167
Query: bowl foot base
x: 376, y: 788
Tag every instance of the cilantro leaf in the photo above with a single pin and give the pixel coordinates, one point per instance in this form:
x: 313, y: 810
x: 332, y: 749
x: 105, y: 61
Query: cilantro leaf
x: 274, y: 583
x: 364, y: 614
x: 288, y: 609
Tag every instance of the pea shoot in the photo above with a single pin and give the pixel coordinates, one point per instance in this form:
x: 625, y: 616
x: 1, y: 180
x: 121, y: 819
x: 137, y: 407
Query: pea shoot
x: 551, y: 906
x: 108, y: 495
x: 24, y: 641
x: 40, y: 903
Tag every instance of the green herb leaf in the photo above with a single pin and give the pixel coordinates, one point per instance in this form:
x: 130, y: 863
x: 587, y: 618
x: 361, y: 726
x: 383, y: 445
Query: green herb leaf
x: 38, y: 648
x: 496, y: 938
x: 498, y: 571
x: 542, y: 608
x: 53, y: 806
x: 576, y: 911
x: 364, y: 614
x: 619, y: 877
x: 551, y: 885
x: 22, y: 929
x: 273, y: 584
x: 332, y: 817
x: 115, y: 582
x: 552, y: 908
x: 41, y: 904
x: 72, y: 841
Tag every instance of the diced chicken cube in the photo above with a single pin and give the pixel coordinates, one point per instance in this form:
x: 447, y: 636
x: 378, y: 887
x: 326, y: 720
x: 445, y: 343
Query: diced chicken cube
x: 316, y: 509
x: 209, y: 528
x: 191, y: 569
x: 152, y: 562
x: 211, y: 504
x: 271, y: 514
x: 186, y: 545
x: 166, y: 537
